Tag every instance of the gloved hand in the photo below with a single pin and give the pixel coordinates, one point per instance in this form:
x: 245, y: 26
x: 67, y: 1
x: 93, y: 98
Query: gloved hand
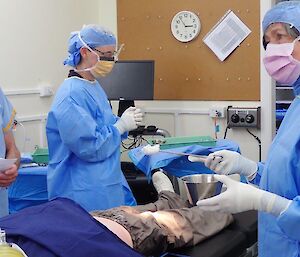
x: 129, y: 120
x: 240, y: 197
x: 229, y: 162
x: 138, y: 116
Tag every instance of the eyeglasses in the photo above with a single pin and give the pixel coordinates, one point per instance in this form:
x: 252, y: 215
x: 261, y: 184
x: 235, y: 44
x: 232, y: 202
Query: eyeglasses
x: 106, y: 54
x: 109, y: 56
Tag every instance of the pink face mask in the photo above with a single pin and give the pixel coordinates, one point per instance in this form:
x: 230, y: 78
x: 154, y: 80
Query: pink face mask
x: 280, y: 63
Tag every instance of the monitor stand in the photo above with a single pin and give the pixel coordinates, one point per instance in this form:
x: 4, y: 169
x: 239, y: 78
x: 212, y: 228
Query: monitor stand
x: 123, y: 105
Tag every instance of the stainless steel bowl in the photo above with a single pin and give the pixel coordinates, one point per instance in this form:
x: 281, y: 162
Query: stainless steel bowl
x: 201, y: 186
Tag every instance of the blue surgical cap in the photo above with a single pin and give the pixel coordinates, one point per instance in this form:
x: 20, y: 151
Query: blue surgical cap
x: 286, y: 12
x: 93, y: 36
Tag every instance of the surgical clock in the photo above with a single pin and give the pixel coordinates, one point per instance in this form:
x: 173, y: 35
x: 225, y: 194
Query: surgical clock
x: 185, y: 26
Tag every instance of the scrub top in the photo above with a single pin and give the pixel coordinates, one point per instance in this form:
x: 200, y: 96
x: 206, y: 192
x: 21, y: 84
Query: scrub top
x: 7, y: 114
x: 84, y: 148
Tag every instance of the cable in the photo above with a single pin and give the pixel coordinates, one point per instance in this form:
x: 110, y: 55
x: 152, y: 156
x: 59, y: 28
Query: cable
x: 259, y: 143
x: 129, y: 145
x: 137, y: 141
x: 216, y: 127
x: 225, y: 134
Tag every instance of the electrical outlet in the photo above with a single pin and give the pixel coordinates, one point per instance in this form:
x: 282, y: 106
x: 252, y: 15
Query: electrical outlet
x: 217, y: 112
x: 46, y: 90
x: 243, y: 117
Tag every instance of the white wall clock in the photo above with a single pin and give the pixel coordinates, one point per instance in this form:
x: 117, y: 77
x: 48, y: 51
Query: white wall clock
x: 185, y: 26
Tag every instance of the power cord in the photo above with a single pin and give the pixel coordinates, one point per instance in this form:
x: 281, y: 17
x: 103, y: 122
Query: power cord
x: 259, y: 143
x: 225, y: 133
x: 135, y: 142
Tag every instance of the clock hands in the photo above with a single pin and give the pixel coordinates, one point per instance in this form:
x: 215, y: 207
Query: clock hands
x: 182, y: 21
x: 186, y: 26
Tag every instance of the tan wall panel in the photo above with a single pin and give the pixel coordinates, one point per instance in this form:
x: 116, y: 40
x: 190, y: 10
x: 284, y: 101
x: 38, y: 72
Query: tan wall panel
x: 191, y: 71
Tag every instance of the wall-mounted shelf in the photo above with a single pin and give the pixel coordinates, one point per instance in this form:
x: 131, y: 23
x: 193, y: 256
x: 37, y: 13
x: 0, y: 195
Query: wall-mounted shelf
x: 283, y: 88
x: 284, y: 102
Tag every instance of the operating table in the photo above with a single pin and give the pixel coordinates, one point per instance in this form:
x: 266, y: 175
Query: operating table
x: 237, y: 240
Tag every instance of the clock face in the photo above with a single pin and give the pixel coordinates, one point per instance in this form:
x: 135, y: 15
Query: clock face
x: 185, y: 26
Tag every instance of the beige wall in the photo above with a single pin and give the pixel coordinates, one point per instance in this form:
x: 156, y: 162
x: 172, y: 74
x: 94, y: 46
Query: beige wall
x: 34, y: 36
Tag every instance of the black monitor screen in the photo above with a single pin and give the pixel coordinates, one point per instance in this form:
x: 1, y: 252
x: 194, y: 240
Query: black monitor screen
x: 130, y: 80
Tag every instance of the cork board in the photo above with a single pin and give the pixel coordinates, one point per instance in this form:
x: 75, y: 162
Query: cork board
x: 191, y: 71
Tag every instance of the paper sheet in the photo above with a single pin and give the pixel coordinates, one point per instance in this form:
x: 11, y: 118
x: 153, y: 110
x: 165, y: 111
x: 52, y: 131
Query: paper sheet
x: 6, y: 163
x: 226, y: 35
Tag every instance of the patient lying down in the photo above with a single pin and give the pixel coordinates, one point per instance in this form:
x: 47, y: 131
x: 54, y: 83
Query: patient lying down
x: 63, y: 228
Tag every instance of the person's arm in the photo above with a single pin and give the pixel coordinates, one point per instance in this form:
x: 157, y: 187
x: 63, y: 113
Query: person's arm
x: 240, y: 197
x: 288, y: 221
x: 7, y: 115
x: 89, y: 140
x: 12, y: 151
x: 8, y: 176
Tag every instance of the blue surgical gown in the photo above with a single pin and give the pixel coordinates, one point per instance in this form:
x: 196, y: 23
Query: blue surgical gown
x: 84, y: 148
x: 280, y: 236
x: 7, y: 114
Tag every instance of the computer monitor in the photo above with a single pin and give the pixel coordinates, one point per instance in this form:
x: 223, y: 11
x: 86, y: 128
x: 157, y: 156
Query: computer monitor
x: 130, y: 80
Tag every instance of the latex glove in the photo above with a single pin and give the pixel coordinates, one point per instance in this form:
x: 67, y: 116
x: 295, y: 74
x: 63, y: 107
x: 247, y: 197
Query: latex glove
x: 240, y: 197
x: 138, y: 116
x: 229, y: 162
x: 127, y: 122
x: 151, y: 149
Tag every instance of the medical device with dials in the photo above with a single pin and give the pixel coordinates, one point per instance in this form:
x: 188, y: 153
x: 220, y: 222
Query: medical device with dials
x: 243, y: 117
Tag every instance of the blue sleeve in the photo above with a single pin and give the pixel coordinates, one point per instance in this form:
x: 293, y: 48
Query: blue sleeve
x: 124, y: 136
x: 260, y: 170
x: 86, y: 138
x: 7, y: 112
x: 289, y: 220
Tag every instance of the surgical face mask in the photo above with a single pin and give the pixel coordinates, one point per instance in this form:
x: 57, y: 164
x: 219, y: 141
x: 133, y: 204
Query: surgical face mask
x: 102, y: 68
x: 280, y: 63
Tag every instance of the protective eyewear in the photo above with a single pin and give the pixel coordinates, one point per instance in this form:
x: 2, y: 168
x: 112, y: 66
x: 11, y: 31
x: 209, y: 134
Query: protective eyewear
x: 109, y: 56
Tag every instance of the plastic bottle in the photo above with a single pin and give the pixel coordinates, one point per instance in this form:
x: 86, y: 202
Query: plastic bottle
x: 5, y: 248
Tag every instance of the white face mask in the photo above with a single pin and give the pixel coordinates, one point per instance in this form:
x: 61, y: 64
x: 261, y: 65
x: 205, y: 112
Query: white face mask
x: 102, y: 67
